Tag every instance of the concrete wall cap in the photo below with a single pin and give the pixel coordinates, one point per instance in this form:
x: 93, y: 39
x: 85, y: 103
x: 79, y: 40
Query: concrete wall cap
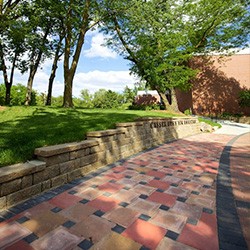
x: 108, y: 132
x: 15, y: 171
x: 129, y: 124
x: 64, y: 148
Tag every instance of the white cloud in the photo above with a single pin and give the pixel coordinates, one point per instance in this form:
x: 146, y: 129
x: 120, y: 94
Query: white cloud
x: 92, y: 80
x: 95, y: 80
x: 97, y: 48
x: 243, y: 51
x: 41, y: 80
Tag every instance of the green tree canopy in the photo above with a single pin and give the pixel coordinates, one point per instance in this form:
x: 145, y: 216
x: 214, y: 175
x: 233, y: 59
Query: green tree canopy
x: 160, y: 37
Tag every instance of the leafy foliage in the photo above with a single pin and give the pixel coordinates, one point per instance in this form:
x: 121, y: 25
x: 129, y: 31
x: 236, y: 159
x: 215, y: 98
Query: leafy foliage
x: 129, y: 94
x: 17, y: 96
x: 244, y: 98
x: 107, y: 99
x: 160, y: 37
x: 87, y: 99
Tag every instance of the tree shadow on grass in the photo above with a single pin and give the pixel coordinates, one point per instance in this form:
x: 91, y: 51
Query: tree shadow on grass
x: 46, y: 127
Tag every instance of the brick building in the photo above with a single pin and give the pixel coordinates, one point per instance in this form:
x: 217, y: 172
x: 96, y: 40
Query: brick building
x: 217, y: 86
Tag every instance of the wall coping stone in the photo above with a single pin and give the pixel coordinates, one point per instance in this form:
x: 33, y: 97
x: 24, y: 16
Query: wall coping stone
x: 168, y: 118
x: 15, y: 171
x: 64, y: 148
x: 129, y: 124
x: 107, y: 132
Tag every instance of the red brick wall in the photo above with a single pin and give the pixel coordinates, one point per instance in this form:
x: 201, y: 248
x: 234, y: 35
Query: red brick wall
x: 217, y: 86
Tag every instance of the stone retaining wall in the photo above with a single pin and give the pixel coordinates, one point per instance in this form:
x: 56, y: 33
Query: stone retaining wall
x: 59, y: 164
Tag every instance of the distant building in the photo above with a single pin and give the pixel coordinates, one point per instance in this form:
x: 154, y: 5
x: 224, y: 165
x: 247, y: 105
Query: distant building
x: 147, y: 97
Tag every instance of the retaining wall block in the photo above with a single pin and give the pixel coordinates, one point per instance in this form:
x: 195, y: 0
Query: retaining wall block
x: 3, y: 202
x: 95, y: 149
x: 74, y: 174
x: 11, y: 186
x: 27, y: 181
x: 48, y: 173
x: 52, y: 160
x: 46, y: 185
x: 88, y: 159
x: 59, y: 180
x: 69, y: 166
x: 23, y: 194
x: 77, y: 154
x: 21, y: 169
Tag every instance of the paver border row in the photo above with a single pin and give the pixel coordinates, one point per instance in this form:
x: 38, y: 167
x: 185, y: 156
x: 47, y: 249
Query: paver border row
x: 229, y: 229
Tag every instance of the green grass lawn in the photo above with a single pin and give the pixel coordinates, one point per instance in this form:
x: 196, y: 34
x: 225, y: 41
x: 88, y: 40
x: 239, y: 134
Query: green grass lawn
x: 209, y: 122
x: 22, y: 129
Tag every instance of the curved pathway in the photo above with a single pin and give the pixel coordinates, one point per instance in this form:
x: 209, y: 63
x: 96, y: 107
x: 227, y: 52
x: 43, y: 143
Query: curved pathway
x: 231, y: 181
x: 240, y: 173
x: 175, y: 196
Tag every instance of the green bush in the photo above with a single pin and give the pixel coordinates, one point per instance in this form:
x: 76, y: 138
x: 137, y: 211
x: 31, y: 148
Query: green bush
x: 18, y: 94
x: 86, y: 99
x: 188, y: 112
x: 244, y: 98
x: 107, y: 99
x: 145, y: 107
x: 57, y: 101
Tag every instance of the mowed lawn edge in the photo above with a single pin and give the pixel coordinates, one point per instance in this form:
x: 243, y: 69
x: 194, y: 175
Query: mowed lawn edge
x: 22, y: 129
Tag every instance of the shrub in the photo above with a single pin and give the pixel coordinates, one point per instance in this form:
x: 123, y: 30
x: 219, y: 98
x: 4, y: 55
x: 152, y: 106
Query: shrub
x: 18, y: 94
x: 107, y: 99
x: 188, y: 112
x: 244, y: 98
x: 145, y: 107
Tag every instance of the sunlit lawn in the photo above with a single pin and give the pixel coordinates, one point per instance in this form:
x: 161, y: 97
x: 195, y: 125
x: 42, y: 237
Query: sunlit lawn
x: 22, y: 129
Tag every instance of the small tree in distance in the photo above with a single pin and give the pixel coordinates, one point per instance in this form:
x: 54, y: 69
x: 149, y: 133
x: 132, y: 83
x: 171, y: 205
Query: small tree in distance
x: 86, y: 99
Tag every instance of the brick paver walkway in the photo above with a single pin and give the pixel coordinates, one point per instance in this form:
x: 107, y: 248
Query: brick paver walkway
x: 163, y: 198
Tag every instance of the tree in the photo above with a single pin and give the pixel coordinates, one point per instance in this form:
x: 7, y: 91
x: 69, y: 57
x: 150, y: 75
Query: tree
x: 18, y: 94
x: 58, y: 32
x: 106, y: 99
x: 81, y: 16
x: 87, y: 98
x: 11, y: 41
x: 24, y: 39
x: 39, y: 45
x: 129, y: 95
x: 160, y: 37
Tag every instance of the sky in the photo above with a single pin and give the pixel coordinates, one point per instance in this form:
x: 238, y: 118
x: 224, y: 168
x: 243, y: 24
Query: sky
x: 99, y: 67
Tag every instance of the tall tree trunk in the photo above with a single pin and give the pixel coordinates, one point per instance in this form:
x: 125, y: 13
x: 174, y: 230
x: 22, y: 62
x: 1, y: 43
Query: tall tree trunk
x: 30, y: 85
x: 33, y: 70
x: 5, y: 76
x: 7, y: 94
x: 174, y: 101
x: 67, y: 97
x: 8, y: 83
x: 69, y: 72
x: 173, y: 106
x: 53, y: 72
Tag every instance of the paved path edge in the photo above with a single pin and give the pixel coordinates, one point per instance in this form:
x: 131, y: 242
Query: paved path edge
x: 229, y: 229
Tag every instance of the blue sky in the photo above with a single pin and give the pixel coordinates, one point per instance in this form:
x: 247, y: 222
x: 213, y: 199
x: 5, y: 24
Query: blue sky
x: 99, y: 67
